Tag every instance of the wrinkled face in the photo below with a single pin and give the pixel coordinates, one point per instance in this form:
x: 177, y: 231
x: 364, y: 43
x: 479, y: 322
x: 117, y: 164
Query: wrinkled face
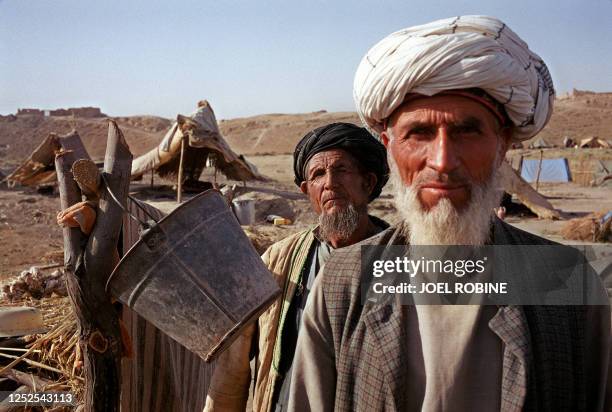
x: 334, y: 180
x: 444, y: 146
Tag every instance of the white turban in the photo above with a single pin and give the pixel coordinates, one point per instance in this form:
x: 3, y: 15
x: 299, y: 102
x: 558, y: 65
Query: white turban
x: 456, y: 53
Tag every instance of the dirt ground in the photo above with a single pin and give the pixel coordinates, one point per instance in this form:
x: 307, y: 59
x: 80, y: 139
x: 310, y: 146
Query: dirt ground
x: 29, y: 235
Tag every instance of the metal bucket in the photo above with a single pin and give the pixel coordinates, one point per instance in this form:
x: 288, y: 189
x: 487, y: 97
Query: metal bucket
x: 196, y: 276
x: 244, y: 210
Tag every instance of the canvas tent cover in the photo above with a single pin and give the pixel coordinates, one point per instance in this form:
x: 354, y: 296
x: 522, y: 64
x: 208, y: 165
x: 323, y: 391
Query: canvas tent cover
x: 527, y: 195
x: 602, y: 176
x: 39, y: 168
x: 205, y: 144
x: 552, y: 170
x: 540, y: 143
x: 593, y: 142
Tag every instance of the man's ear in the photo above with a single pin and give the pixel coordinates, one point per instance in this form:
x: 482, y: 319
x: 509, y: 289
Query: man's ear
x: 304, y: 187
x: 371, y: 181
x: 506, y: 134
x: 384, y: 136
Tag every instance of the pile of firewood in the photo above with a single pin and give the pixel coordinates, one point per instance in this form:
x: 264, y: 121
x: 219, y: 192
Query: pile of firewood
x: 36, y: 284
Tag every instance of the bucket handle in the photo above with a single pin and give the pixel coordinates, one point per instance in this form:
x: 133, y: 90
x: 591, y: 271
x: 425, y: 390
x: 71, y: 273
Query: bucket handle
x: 144, y: 225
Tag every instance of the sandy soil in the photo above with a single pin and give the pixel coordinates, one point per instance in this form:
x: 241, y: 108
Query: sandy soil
x: 29, y: 235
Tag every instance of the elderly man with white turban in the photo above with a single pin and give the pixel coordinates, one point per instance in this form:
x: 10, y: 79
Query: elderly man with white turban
x: 447, y: 99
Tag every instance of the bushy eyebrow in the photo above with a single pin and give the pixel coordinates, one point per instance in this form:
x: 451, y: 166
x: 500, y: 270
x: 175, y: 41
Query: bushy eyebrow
x: 318, y: 167
x: 469, y: 123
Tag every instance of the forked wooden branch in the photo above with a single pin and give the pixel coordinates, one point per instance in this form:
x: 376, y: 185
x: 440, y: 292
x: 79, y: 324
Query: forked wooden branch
x: 88, y: 269
x: 65, y: 156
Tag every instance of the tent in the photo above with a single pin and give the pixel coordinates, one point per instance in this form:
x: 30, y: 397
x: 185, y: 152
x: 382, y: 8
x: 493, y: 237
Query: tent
x: 39, y: 168
x: 540, y: 143
x: 550, y: 170
x: 568, y: 142
x: 594, y: 142
x: 513, y: 184
x: 602, y: 175
x: 204, y: 145
x: 204, y: 142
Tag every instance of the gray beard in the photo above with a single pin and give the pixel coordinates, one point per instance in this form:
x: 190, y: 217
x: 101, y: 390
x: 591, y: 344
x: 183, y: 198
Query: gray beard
x: 340, y: 225
x: 443, y: 224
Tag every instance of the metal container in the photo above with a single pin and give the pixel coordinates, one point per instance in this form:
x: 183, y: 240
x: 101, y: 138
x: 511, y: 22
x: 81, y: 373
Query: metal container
x: 244, y: 210
x: 196, y: 276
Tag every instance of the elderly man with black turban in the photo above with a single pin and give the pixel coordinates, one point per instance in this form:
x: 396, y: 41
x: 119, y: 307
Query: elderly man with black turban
x: 341, y: 168
x: 447, y: 98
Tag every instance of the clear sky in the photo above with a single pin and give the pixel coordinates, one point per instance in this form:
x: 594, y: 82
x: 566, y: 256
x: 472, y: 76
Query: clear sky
x: 252, y: 57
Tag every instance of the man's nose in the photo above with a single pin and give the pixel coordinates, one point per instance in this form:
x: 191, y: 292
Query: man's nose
x: 442, y: 154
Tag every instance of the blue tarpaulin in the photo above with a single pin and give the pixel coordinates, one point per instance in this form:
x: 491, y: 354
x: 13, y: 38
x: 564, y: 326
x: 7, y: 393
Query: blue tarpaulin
x: 552, y: 170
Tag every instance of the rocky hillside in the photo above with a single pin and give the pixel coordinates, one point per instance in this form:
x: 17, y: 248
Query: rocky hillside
x: 19, y: 135
x: 578, y: 115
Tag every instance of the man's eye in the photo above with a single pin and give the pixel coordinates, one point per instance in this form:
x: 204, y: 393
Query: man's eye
x: 418, y: 133
x: 317, y: 174
x: 467, y: 130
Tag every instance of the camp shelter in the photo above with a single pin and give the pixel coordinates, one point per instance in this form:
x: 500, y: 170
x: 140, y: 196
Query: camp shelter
x: 568, y: 142
x: 540, y: 143
x: 594, y: 142
x: 602, y: 174
x: 546, y: 170
x: 39, y: 168
x: 202, y: 143
x: 513, y: 184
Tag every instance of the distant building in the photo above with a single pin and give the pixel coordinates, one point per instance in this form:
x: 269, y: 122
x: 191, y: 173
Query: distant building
x: 88, y: 112
x: 30, y: 112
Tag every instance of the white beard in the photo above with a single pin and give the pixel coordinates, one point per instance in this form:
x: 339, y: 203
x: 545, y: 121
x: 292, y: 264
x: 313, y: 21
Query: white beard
x: 443, y: 224
x: 341, y: 224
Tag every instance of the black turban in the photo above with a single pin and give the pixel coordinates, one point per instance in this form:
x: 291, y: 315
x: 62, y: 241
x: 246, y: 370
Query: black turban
x: 356, y: 140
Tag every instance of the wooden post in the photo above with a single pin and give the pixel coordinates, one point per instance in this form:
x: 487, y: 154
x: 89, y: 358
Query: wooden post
x: 179, y: 186
x: 88, y: 270
x: 66, y: 155
x: 539, y: 169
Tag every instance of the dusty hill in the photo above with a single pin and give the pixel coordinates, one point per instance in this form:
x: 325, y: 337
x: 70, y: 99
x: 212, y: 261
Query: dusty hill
x: 276, y: 133
x: 577, y: 115
x: 19, y: 135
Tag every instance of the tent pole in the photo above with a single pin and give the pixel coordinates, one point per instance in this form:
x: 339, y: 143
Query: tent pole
x: 179, y: 186
x: 539, y: 169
